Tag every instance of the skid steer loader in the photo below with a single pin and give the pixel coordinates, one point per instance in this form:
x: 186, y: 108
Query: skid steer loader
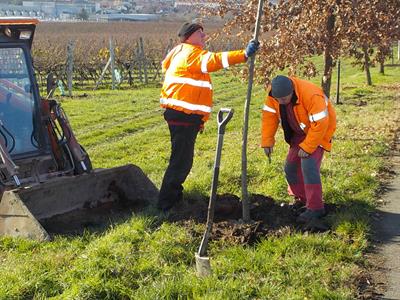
x: 46, y: 178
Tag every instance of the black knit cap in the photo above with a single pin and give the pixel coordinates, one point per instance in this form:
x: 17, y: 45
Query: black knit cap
x: 188, y: 29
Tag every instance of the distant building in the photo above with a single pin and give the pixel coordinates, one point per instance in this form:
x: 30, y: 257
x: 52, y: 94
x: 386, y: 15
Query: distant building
x: 108, y: 4
x: 189, y: 5
x: 124, y: 17
x: 69, y: 9
x: 59, y: 9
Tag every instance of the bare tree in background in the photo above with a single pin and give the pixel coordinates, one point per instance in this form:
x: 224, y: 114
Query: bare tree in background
x: 377, y: 26
x: 296, y: 30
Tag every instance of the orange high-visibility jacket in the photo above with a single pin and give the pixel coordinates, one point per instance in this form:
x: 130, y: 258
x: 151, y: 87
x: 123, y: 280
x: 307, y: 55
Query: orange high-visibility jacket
x: 314, y: 114
x: 187, y: 84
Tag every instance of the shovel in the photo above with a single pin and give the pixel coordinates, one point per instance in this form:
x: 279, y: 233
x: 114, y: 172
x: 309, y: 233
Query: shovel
x: 203, y: 266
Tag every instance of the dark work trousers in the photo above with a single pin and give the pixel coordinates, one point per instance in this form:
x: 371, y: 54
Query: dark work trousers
x: 183, y: 138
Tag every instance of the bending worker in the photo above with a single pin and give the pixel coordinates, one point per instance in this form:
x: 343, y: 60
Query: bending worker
x: 186, y: 96
x: 308, y: 120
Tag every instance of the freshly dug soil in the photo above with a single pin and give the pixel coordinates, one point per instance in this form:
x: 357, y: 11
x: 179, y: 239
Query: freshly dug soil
x: 268, y: 218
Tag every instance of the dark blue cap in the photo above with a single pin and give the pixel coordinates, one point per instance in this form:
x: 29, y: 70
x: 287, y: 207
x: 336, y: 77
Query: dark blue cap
x: 281, y: 86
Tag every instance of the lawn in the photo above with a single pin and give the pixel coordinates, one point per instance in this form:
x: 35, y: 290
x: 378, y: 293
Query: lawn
x: 149, y: 257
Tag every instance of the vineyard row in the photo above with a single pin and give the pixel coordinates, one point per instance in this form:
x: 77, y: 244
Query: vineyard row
x: 90, y: 64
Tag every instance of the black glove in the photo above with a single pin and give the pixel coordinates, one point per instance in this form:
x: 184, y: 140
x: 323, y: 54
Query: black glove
x: 251, y: 48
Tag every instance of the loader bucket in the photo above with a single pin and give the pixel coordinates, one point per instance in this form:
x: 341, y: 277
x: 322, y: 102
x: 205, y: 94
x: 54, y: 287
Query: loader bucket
x: 69, y: 204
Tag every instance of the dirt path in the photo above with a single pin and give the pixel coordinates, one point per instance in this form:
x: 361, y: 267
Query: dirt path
x: 388, y: 230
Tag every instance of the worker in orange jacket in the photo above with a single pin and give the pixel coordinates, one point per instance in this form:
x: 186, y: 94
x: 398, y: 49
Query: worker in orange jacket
x: 308, y: 120
x: 186, y: 96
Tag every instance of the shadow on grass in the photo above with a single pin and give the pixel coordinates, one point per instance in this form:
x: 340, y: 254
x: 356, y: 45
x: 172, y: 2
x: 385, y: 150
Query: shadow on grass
x: 93, y: 220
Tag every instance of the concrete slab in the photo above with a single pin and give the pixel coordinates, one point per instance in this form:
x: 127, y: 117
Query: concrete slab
x: 388, y: 231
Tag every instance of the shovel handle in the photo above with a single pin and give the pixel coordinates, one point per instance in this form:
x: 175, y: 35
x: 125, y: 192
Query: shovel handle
x: 223, y: 120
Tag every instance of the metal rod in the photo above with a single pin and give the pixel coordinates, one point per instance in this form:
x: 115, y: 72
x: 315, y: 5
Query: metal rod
x: 338, y: 83
x: 112, y: 59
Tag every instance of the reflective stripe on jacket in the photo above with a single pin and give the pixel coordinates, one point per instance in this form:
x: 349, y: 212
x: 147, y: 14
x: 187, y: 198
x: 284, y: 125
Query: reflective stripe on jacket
x: 314, y: 114
x: 187, y: 84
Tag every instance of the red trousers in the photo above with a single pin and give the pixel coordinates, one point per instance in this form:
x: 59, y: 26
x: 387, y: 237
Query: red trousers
x: 303, y: 177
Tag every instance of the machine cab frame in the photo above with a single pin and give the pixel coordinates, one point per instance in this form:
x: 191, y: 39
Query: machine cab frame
x: 20, y: 112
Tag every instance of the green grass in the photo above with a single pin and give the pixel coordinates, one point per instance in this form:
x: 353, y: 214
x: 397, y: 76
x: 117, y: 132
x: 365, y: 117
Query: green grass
x: 146, y: 258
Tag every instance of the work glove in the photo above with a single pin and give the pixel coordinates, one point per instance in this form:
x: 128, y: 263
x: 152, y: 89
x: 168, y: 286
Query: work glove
x: 251, y: 48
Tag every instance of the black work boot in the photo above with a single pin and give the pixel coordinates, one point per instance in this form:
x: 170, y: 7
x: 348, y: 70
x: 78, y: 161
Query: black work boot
x: 309, y: 215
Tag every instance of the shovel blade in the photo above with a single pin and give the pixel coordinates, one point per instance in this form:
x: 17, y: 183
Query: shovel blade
x: 203, y: 266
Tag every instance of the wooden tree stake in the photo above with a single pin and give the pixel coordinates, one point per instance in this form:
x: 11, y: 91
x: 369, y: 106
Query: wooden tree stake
x: 245, y: 195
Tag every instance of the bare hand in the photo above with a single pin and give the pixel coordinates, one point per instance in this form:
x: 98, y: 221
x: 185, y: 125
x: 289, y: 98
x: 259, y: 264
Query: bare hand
x: 303, y: 154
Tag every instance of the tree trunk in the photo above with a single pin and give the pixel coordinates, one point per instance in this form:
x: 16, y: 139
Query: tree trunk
x: 328, y: 59
x: 130, y: 80
x: 366, y: 65
x: 327, y: 78
x: 381, y: 67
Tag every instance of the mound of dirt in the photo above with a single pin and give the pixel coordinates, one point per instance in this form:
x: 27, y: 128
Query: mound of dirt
x: 268, y: 218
